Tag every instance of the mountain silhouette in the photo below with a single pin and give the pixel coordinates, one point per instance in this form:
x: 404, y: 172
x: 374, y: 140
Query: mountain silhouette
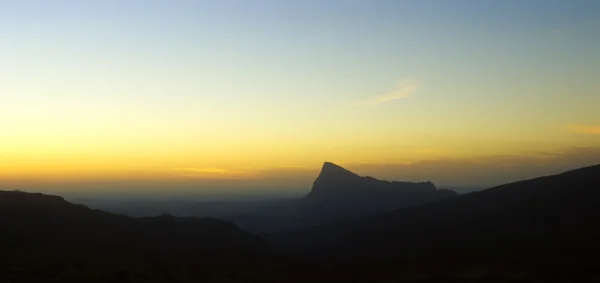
x: 341, y: 193
x: 338, y: 195
x: 48, y: 233
x: 336, y: 183
x: 548, y: 222
x: 34, y: 216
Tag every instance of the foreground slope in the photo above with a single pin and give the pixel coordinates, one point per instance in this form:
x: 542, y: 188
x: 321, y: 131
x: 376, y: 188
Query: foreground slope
x: 46, y: 234
x: 548, y: 220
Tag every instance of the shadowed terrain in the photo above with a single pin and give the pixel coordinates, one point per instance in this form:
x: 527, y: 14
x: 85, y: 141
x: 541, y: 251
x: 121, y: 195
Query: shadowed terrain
x: 45, y: 236
x: 548, y: 226
x: 539, y: 230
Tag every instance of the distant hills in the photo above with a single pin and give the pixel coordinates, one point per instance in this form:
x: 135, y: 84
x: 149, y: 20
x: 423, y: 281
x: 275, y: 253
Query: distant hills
x: 337, y: 195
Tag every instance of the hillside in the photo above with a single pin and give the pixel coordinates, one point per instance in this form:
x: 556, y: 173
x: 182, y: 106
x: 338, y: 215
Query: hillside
x: 46, y: 234
x: 550, y: 222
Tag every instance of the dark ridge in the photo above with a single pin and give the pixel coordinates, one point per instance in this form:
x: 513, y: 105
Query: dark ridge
x: 548, y: 223
x: 35, y: 217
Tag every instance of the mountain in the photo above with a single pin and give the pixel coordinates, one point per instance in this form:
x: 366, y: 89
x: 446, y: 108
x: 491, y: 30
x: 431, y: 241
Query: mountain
x: 336, y: 185
x: 44, y: 233
x: 339, y: 195
x: 549, y: 222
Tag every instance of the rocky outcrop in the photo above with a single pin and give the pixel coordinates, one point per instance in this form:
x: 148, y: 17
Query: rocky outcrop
x: 337, y: 184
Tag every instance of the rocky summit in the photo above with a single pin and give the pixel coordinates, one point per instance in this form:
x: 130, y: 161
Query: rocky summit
x: 338, y: 184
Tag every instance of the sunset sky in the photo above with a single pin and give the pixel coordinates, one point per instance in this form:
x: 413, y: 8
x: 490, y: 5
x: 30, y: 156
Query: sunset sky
x: 256, y: 94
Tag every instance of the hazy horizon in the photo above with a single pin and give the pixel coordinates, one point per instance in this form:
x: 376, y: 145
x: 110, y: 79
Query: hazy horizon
x: 243, y: 98
x: 295, y: 182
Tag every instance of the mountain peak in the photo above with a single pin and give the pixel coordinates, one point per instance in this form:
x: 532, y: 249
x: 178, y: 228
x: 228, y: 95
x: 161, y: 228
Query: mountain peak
x: 334, y: 172
x: 336, y: 182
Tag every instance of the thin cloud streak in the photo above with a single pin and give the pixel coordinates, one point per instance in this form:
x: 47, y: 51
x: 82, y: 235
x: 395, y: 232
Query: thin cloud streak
x: 202, y: 170
x: 404, y: 89
x: 585, y: 129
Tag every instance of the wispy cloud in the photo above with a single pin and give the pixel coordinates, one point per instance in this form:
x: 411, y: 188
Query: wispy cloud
x: 405, y: 88
x: 428, y: 150
x: 210, y: 173
x: 586, y: 129
x: 202, y: 170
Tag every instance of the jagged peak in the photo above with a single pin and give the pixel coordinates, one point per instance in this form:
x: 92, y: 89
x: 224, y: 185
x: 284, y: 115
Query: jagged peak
x: 331, y: 165
x: 334, y: 181
x: 331, y: 170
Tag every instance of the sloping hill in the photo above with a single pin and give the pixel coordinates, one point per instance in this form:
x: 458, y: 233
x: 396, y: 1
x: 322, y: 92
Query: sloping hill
x: 552, y: 219
x: 46, y: 234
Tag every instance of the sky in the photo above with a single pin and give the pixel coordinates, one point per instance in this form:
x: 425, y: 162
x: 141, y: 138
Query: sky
x: 243, y: 96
